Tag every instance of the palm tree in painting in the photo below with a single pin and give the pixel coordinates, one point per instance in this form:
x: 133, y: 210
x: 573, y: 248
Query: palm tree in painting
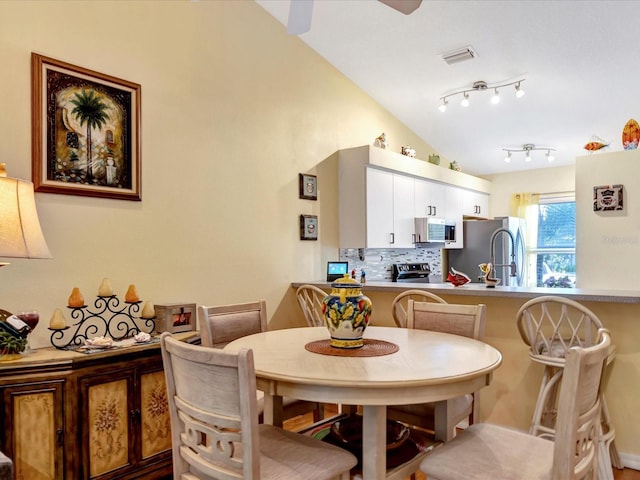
x: 89, y: 109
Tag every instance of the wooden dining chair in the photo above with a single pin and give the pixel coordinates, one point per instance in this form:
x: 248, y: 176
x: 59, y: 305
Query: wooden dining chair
x: 485, y: 451
x: 222, y: 324
x: 550, y: 325
x: 399, y: 304
x: 214, y: 423
x: 310, y: 300
x: 464, y: 320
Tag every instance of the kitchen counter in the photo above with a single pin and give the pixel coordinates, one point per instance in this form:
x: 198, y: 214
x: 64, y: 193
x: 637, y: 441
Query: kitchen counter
x: 478, y: 289
x: 518, y: 377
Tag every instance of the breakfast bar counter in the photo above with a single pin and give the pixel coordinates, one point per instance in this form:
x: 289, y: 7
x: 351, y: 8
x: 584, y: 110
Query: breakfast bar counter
x: 511, y: 397
x: 476, y: 289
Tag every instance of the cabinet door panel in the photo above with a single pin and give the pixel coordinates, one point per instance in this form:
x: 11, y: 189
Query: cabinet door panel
x: 155, y: 421
x: 379, y: 208
x: 107, y: 424
x: 36, y: 429
x: 403, y: 211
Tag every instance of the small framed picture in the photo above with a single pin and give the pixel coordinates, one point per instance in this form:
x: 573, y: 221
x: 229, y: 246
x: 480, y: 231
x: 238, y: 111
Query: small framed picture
x: 308, y: 227
x: 308, y: 186
x: 607, y: 198
x: 175, y: 317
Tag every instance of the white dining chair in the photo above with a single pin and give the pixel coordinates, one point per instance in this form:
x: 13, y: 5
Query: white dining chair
x: 214, y: 423
x: 488, y: 452
x: 464, y: 320
x: 400, y: 302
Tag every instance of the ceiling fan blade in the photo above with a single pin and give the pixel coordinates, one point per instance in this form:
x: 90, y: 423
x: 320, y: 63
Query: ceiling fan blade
x: 300, y: 13
x: 403, y: 6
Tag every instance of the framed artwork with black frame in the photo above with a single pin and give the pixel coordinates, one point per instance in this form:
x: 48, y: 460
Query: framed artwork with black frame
x: 308, y: 227
x: 85, y: 131
x: 308, y: 185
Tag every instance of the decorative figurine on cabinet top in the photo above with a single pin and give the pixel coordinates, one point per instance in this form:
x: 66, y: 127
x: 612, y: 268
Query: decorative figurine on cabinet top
x: 596, y: 143
x: 381, y: 141
x: 631, y: 135
x: 408, y: 151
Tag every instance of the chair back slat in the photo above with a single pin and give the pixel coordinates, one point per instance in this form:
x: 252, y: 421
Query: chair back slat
x: 464, y: 320
x: 310, y: 300
x: 222, y: 324
x: 399, y: 307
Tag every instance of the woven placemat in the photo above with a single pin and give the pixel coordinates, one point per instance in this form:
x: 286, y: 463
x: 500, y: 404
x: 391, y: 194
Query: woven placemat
x: 371, y: 348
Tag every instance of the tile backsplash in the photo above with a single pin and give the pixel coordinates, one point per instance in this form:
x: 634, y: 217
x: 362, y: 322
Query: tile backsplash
x: 377, y: 262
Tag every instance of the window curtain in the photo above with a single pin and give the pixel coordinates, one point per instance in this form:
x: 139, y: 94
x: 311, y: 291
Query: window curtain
x: 520, y: 202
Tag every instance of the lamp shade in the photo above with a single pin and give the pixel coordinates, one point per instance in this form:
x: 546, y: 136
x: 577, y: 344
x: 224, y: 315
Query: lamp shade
x: 20, y: 232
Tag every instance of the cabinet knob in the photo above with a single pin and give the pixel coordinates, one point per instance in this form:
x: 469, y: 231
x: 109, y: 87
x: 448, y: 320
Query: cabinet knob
x: 135, y: 416
x: 60, y: 437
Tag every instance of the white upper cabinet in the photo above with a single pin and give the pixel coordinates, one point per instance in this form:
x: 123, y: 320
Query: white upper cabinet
x: 475, y: 204
x: 453, y: 216
x: 388, y: 210
x: 403, y: 211
x: 382, y: 192
x: 429, y: 199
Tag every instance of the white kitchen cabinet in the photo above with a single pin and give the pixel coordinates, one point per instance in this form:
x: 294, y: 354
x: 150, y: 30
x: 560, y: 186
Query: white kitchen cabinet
x: 378, y: 209
x: 475, y: 204
x: 453, y: 215
x: 381, y: 192
x: 389, y: 210
x: 429, y: 199
x: 403, y: 211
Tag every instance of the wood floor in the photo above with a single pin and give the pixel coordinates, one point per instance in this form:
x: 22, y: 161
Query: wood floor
x: 302, y: 421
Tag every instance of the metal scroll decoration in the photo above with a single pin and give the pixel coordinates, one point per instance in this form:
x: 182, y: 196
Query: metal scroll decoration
x: 107, y: 318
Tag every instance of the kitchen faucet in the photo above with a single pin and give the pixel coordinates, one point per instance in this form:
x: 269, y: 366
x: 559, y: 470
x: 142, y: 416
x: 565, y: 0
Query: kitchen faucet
x: 512, y: 265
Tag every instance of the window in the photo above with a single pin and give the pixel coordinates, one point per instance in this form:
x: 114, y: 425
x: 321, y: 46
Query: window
x: 551, y: 252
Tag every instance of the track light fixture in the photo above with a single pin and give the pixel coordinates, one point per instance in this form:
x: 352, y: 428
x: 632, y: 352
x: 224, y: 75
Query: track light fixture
x: 481, y: 86
x: 527, y: 148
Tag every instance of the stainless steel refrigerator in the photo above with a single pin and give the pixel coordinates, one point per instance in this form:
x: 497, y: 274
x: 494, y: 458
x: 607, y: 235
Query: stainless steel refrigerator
x: 477, y: 239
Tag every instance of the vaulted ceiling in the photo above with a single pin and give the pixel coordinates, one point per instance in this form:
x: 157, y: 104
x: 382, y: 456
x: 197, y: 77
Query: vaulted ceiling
x: 578, y: 59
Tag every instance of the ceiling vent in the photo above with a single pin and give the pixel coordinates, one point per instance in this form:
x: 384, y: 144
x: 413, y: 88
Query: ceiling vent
x: 460, y: 55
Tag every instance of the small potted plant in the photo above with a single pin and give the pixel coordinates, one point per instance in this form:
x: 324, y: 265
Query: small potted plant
x: 11, y: 346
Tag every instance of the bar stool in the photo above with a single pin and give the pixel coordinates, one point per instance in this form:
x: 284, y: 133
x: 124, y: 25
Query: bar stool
x: 551, y: 325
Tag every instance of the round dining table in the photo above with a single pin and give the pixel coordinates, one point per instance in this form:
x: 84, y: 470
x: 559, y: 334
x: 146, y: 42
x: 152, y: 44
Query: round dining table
x: 413, y: 366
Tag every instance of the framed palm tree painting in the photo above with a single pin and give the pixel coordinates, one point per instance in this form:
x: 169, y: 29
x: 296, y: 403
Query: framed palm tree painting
x: 85, y: 131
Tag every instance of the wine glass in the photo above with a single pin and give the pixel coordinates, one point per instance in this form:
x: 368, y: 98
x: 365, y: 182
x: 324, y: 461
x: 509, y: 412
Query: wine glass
x: 31, y: 318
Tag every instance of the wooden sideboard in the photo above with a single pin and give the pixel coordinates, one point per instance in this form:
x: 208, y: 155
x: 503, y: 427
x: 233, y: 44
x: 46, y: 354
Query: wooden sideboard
x: 87, y: 416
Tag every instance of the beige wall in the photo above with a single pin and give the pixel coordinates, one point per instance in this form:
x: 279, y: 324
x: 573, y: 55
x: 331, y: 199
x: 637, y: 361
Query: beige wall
x: 609, y: 240
x: 232, y: 110
x: 542, y: 180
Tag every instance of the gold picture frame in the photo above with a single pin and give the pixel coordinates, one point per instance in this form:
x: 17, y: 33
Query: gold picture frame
x: 85, y: 131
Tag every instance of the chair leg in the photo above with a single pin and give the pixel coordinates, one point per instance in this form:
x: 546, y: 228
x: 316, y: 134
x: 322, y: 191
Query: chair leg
x: 318, y: 412
x: 543, y: 419
x: 609, y: 436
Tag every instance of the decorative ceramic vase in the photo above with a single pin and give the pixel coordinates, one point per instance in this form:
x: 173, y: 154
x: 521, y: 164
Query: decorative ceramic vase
x: 346, y: 313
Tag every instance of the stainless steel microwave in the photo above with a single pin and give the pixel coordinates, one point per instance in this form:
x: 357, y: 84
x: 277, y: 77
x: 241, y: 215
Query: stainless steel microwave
x: 429, y: 230
x: 449, y: 231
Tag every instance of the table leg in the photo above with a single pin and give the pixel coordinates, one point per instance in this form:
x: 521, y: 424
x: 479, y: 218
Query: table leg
x: 442, y: 422
x: 272, y: 410
x: 374, y: 442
